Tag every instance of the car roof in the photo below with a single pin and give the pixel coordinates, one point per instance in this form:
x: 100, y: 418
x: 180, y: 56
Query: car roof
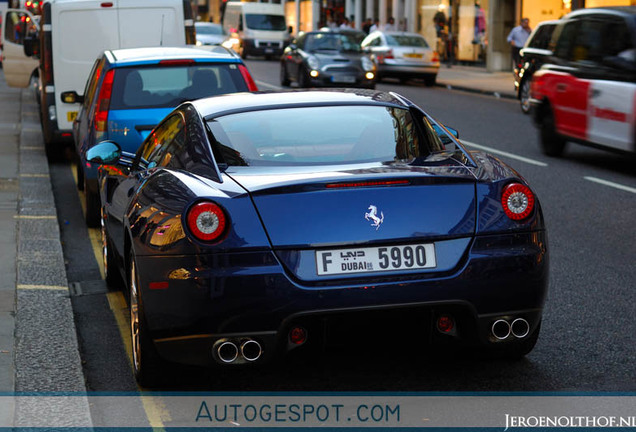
x: 153, y: 55
x: 610, y: 10
x: 241, y: 102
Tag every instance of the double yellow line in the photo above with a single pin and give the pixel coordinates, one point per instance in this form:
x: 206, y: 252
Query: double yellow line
x: 156, y: 412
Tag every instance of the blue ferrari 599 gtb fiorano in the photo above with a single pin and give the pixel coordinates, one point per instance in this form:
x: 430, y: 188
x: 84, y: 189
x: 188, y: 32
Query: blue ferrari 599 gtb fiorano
x: 252, y: 224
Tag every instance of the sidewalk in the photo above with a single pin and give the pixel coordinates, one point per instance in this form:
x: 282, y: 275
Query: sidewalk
x: 38, y: 341
x: 477, y: 79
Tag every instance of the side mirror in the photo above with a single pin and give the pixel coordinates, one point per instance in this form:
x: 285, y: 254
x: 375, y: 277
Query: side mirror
x: 104, y: 153
x: 70, y: 97
x: 442, y: 134
x: 454, y: 132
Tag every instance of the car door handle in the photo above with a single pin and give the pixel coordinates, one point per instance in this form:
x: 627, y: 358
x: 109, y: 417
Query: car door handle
x: 561, y: 88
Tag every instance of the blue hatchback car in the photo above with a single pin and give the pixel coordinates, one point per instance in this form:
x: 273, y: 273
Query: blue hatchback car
x: 129, y: 91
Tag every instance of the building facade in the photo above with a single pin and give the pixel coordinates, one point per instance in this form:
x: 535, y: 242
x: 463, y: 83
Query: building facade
x: 474, y: 31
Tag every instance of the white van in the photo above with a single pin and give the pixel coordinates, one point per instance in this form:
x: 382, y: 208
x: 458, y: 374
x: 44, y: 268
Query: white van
x: 74, y: 33
x: 256, y: 28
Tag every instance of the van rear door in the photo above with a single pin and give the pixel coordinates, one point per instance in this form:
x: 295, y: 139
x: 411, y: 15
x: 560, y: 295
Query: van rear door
x: 82, y: 30
x: 158, y: 23
x: 18, y: 67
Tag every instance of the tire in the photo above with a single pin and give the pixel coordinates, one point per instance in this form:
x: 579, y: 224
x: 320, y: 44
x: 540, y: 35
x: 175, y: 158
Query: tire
x: 524, y: 96
x: 303, y: 78
x: 552, y: 144
x: 93, y: 207
x: 146, y: 362
x: 111, y: 272
x: 429, y: 80
x: 80, y: 176
x: 284, y: 79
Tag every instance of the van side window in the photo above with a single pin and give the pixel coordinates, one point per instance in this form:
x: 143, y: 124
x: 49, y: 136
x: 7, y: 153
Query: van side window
x: 15, y: 27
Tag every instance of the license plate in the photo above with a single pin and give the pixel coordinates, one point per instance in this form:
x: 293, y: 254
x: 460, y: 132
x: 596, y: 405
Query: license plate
x: 269, y: 50
x: 71, y: 116
x: 343, y: 79
x: 375, y: 259
x: 413, y: 55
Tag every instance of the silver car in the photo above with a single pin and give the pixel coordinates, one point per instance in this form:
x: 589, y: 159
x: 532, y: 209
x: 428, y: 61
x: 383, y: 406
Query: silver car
x: 402, y: 55
x: 210, y: 33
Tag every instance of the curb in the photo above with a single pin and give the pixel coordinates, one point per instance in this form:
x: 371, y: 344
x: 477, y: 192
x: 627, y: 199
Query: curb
x: 47, y: 355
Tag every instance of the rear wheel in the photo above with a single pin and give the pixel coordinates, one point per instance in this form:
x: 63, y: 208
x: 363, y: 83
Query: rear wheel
x: 284, y: 79
x: 524, y: 96
x: 552, y: 144
x: 146, y: 362
x: 111, y: 273
x: 93, y: 207
x: 429, y: 80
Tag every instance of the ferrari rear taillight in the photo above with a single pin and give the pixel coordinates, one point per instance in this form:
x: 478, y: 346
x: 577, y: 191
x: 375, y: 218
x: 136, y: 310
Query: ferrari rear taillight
x: 251, y: 85
x: 206, y: 221
x: 517, y: 201
x: 103, y: 102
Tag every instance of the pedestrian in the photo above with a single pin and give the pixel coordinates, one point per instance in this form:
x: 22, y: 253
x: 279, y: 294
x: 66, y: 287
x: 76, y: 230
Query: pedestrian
x: 367, y: 25
x: 375, y: 26
x: 390, y: 25
x: 345, y: 23
x: 517, y: 39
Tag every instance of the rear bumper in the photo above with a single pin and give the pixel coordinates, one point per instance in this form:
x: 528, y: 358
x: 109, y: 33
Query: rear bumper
x: 264, y: 48
x: 404, y: 70
x: 250, y: 295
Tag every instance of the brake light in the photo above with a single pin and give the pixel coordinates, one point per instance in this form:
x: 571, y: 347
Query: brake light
x: 206, y: 221
x: 103, y: 102
x: 517, y: 201
x: 435, y: 57
x: 251, y: 85
x: 177, y: 62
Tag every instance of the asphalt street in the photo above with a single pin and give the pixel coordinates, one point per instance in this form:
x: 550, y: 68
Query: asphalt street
x: 588, y: 340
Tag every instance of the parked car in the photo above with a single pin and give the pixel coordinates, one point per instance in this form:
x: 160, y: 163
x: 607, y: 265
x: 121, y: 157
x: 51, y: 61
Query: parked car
x: 73, y: 34
x: 403, y: 55
x: 210, y: 33
x: 129, y: 91
x: 327, y: 58
x: 586, y: 92
x: 249, y: 225
x: 532, y: 55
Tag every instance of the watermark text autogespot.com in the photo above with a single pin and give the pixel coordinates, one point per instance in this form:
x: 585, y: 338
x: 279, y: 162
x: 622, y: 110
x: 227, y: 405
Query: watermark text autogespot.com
x: 513, y: 421
x: 301, y: 413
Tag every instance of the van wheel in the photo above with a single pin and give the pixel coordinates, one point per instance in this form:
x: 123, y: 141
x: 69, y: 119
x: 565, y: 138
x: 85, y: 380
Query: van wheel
x: 552, y: 144
x: 284, y: 79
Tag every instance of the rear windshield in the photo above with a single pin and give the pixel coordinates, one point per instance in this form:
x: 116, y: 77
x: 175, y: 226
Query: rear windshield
x: 345, y: 42
x: 404, y: 40
x: 265, y: 22
x: 322, y: 136
x: 213, y: 29
x: 168, y: 86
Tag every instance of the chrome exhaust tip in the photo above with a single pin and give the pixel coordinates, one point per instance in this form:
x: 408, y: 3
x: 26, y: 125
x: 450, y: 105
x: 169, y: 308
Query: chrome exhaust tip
x: 251, y: 350
x: 501, y: 329
x: 520, y: 328
x: 227, y: 351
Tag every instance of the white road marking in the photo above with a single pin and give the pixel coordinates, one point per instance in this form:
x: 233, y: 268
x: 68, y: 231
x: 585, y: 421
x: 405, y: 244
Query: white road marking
x: 506, y: 154
x: 42, y: 287
x: 611, y: 184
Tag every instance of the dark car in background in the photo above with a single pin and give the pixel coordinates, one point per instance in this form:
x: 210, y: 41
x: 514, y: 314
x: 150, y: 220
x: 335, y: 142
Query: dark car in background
x: 586, y: 90
x: 532, y: 56
x: 129, y: 91
x: 254, y: 224
x: 328, y: 58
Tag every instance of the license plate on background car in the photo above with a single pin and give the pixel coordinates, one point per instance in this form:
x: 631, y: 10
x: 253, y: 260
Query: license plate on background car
x: 71, y: 116
x: 413, y: 55
x: 343, y: 79
x: 375, y: 259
